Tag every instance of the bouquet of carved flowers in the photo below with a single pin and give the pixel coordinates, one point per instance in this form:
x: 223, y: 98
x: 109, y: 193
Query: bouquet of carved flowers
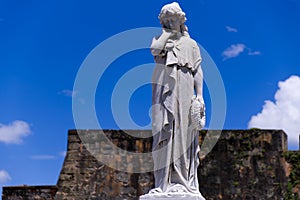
x: 197, y: 111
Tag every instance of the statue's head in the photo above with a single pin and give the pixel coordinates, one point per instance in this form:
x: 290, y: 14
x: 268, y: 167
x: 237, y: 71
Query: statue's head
x: 171, y: 15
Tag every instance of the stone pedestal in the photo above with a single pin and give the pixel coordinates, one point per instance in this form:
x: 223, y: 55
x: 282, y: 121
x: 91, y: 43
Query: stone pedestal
x: 173, y: 196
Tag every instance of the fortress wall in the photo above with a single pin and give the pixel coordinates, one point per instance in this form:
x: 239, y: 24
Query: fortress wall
x: 244, y: 164
x: 46, y: 192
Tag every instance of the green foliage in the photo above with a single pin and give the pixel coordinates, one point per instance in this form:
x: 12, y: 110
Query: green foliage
x: 236, y: 183
x: 293, y: 158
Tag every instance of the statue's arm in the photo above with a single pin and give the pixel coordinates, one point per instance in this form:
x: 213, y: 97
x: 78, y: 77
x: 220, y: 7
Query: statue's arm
x: 198, y: 83
x: 198, y: 75
x: 158, y: 43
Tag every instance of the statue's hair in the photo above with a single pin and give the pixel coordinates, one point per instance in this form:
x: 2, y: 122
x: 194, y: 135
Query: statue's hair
x: 173, y: 9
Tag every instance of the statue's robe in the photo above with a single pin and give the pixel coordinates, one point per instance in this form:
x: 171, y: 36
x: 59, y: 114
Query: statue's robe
x: 175, y: 143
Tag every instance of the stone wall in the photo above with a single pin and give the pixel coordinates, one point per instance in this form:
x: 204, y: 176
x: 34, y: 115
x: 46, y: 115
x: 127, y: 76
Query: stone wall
x: 83, y: 177
x: 29, y: 192
x: 244, y: 164
x: 293, y: 185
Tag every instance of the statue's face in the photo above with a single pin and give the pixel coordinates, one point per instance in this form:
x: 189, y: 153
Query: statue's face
x: 172, y: 22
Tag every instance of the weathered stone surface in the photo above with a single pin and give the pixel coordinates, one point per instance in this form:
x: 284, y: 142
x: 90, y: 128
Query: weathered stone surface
x: 293, y: 169
x: 29, y: 192
x: 83, y: 177
x: 244, y: 164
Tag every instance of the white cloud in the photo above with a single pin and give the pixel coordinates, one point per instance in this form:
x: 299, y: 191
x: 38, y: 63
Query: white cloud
x: 4, y: 176
x: 254, y: 53
x: 233, y: 51
x: 231, y: 29
x: 42, y: 157
x: 15, y: 132
x: 68, y: 93
x: 284, y: 113
x: 236, y: 49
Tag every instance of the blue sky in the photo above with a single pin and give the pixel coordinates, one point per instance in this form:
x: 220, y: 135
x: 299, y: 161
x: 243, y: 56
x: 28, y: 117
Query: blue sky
x: 255, y: 45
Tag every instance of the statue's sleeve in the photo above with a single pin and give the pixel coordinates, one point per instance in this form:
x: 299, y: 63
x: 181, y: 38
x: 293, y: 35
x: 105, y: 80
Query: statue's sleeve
x: 157, y: 49
x: 196, y: 58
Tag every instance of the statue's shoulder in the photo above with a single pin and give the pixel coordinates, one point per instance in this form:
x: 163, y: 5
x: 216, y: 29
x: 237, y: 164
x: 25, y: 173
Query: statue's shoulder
x: 191, y: 42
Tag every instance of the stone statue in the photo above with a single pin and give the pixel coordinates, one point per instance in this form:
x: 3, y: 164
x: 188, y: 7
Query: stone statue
x: 176, y: 77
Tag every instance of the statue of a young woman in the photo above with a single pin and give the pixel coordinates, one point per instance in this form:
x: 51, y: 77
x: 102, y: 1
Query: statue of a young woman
x: 177, y: 76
